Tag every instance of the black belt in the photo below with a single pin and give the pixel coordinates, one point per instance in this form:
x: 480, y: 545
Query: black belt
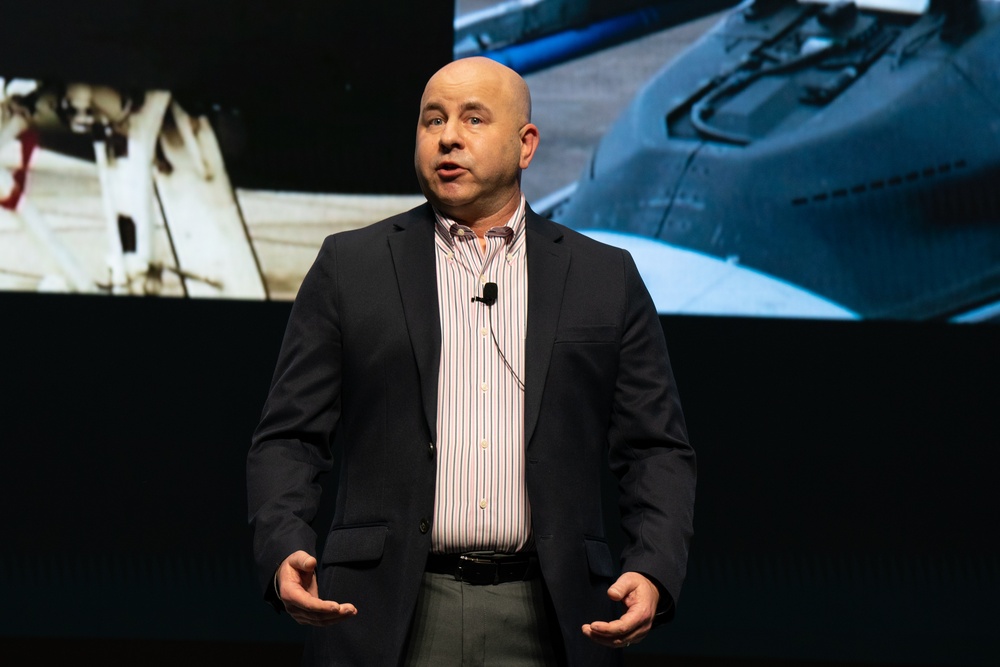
x: 484, y: 568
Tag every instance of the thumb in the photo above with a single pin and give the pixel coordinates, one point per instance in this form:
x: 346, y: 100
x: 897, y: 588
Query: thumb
x: 302, y: 561
x: 621, y: 588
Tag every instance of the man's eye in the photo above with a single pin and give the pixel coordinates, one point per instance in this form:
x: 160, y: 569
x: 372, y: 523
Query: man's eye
x: 475, y: 121
x: 436, y: 121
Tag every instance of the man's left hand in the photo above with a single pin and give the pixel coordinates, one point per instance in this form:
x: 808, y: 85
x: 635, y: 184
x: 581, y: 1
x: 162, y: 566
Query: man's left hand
x: 640, y: 597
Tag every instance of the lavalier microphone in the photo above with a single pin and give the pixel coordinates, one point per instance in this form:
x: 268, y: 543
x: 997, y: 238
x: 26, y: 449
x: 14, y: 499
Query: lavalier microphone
x: 489, y: 296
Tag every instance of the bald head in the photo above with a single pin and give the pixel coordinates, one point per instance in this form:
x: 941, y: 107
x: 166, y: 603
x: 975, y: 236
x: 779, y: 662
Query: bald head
x: 511, y: 88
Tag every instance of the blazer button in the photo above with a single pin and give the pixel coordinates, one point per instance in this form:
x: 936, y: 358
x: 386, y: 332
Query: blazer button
x: 425, y: 525
x: 430, y: 449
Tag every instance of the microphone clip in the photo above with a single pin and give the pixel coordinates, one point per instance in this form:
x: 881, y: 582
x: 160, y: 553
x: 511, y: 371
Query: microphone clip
x: 489, y: 296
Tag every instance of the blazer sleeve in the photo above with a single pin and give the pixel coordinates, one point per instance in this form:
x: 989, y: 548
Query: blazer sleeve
x: 649, y: 450
x: 291, y: 445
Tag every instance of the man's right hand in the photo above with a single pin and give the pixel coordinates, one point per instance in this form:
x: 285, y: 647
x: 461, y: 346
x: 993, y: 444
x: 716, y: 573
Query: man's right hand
x: 297, y: 589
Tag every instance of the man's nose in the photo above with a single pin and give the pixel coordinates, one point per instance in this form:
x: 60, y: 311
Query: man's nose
x: 451, y: 136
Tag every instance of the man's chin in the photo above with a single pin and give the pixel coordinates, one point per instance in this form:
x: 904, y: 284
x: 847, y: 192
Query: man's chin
x: 449, y: 203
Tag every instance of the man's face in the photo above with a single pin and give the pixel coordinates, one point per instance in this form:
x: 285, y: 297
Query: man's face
x: 470, y: 141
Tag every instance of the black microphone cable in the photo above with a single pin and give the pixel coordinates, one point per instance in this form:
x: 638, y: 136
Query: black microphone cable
x: 489, y: 297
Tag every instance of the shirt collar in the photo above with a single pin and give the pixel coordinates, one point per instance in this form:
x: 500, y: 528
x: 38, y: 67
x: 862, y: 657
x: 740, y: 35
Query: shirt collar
x: 448, y: 229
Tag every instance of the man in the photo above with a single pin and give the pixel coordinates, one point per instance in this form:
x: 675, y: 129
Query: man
x: 475, y: 366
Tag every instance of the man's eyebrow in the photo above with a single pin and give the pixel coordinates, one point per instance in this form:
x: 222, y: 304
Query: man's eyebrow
x: 472, y: 105
x: 432, y: 106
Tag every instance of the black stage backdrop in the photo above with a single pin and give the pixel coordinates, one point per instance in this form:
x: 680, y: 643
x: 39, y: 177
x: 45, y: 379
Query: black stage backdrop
x: 846, y: 506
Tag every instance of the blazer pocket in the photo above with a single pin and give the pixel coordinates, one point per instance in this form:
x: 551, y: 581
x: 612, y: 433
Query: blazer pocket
x: 355, y: 544
x: 599, y: 558
x: 595, y: 333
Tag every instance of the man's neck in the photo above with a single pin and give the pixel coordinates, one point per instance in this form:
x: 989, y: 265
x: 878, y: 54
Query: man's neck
x: 483, y: 224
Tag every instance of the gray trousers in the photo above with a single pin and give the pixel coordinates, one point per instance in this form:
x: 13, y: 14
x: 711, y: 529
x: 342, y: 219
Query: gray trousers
x: 506, y: 625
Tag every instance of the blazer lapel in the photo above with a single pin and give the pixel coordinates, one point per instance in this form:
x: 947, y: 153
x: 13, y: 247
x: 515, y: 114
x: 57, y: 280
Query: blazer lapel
x: 548, y: 264
x: 412, y: 247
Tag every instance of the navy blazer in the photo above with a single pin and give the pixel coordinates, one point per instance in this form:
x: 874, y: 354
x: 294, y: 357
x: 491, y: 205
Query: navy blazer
x: 357, y: 375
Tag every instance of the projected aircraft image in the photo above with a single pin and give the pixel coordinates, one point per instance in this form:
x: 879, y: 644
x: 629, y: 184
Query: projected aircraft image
x: 813, y: 159
x: 183, y: 148
x: 782, y: 158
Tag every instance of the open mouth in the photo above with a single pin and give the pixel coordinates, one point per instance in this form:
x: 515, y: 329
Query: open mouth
x: 450, y: 170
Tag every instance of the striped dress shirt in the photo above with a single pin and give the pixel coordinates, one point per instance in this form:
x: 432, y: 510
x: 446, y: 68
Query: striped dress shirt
x: 481, y: 502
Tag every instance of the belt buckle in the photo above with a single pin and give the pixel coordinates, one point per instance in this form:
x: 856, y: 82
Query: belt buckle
x: 476, y: 567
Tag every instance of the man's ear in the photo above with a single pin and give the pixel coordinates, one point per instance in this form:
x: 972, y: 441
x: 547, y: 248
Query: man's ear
x: 529, y: 142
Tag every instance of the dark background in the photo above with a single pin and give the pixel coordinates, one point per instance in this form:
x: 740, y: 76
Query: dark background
x: 846, y: 504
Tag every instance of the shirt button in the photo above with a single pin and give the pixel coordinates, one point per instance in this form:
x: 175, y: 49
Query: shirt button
x: 482, y: 504
x: 460, y: 232
x: 425, y: 525
x: 482, y: 279
x: 483, y: 443
x: 484, y: 332
x: 484, y: 387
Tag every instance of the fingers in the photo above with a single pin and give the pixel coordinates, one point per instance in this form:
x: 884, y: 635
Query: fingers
x: 619, y: 633
x: 298, y: 591
x: 614, y: 640
x: 640, y: 597
x: 309, y: 610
